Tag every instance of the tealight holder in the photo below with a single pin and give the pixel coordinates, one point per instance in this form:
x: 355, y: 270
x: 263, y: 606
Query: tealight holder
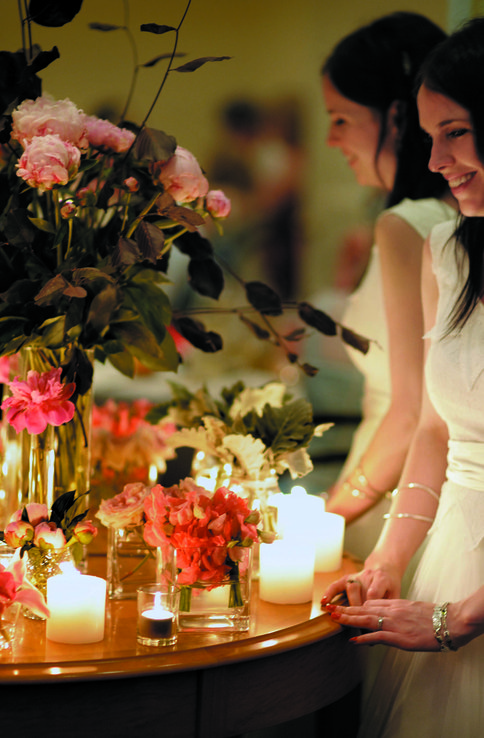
x: 158, y: 607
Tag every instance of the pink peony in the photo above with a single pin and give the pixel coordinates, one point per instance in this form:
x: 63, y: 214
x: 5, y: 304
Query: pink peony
x: 17, y: 533
x: 84, y: 531
x: 45, y: 116
x: 106, y: 136
x: 181, y: 176
x: 218, y: 204
x: 36, y: 513
x: 49, y: 536
x: 125, y: 509
x: 40, y: 401
x: 15, y: 587
x: 48, y: 161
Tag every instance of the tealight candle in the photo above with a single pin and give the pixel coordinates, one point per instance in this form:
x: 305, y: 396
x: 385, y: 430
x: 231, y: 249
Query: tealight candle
x: 287, y: 570
x: 157, y: 615
x: 77, y: 605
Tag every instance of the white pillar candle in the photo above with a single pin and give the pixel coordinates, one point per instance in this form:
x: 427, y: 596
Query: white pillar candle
x: 77, y: 604
x: 287, y: 570
x: 329, y: 542
x: 298, y: 513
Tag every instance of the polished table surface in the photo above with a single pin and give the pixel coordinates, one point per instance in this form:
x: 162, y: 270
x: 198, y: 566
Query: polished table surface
x: 293, y: 660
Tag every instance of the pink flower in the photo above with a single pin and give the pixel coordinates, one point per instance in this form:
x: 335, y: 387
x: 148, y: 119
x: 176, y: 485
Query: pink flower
x: 36, y: 513
x: 68, y: 209
x: 125, y: 509
x: 45, y: 116
x: 4, y: 369
x: 48, y: 535
x: 84, y: 531
x: 48, y: 161
x: 17, y: 533
x: 131, y: 184
x: 15, y: 587
x: 218, y: 204
x: 106, y: 136
x: 181, y: 176
x: 40, y: 401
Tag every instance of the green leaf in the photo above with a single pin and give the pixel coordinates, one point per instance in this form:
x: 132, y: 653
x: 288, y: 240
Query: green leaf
x: 52, y: 291
x: 150, y: 240
x: 42, y: 225
x: 102, y: 308
x: 195, y: 333
x: 105, y: 27
x: 53, y: 332
x: 162, y: 57
x: 194, y: 246
x: 195, y: 64
x: 317, y: 319
x: 53, y: 13
x: 360, y: 343
x: 256, y: 329
x: 206, y: 277
x: 154, y: 145
x: 155, y: 28
x: 263, y: 298
x: 123, y: 362
x: 152, y: 304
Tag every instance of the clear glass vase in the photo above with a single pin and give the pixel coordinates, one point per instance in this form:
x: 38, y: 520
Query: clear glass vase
x: 8, y: 625
x: 131, y: 563
x: 211, y: 604
x: 40, y: 565
x: 57, y: 460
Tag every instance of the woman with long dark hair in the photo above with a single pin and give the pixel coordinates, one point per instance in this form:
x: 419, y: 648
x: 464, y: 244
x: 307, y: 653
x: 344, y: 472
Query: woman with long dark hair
x: 368, y: 83
x: 441, y: 492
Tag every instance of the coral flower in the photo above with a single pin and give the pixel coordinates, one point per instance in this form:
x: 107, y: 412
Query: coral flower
x: 40, y: 401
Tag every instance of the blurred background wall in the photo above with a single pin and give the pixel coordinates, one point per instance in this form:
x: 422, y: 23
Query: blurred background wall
x: 276, y: 49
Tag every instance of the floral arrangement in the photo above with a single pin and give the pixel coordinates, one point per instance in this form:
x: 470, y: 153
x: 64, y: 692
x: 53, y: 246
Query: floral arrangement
x: 42, y: 400
x: 253, y: 434
x: 125, y: 446
x: 16, y: 588
x: 35, y: 529
x: 89, y: 212
x: 126, y: 509
x: 208, y: 532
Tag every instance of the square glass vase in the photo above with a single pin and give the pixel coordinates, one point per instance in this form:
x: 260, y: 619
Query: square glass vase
x: 218, y: 607
x: 131, y: 563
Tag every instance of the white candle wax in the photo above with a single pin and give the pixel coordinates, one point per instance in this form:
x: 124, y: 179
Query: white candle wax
x: 287, y: 571
x: 156, y: 623
x: 77, y: 604
x: 298, y: 513
x: 329, y: 543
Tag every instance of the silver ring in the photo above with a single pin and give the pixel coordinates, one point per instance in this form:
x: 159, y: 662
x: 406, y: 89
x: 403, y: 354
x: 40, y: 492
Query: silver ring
x: 380, y: 623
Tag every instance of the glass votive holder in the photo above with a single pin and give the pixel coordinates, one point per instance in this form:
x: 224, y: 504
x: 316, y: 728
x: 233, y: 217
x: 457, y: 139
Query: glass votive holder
x: 158, y: 606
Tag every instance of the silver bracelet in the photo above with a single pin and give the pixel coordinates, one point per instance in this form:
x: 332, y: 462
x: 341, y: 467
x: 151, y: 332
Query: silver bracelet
x: 366, y: 489
x: 417, y: 485
x: 412, y: 516
x: 439, y: 622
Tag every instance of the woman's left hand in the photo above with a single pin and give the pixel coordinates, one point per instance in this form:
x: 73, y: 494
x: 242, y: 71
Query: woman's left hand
x: 400, y: 623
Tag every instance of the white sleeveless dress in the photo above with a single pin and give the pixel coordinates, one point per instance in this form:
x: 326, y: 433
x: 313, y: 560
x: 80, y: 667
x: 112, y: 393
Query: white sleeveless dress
x: 366, y: 315
x: 441, y: 695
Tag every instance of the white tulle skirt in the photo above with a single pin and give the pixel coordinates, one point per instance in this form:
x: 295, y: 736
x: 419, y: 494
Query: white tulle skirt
x: 437, y: 695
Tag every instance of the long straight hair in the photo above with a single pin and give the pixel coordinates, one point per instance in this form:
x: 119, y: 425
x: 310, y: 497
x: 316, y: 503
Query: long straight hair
x: 375, y: 66
x: 455, y: 69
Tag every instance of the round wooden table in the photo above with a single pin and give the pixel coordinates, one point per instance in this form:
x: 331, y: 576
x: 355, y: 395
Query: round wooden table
x: 293, y: 661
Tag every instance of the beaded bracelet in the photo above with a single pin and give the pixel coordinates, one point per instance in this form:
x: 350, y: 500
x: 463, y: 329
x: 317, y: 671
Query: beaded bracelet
x: 365, y: 490
x: 439, y: 622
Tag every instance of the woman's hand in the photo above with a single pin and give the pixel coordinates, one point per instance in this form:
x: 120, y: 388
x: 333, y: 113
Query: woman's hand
x: 400, y: 623
x: 382, y: 582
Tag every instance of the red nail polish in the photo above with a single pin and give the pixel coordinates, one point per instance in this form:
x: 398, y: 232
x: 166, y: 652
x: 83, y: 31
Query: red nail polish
x: 330, y: 607
x: 335, y: 615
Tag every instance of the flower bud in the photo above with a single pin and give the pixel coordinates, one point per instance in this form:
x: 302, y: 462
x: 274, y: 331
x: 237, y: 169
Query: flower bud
x: 17, y: 533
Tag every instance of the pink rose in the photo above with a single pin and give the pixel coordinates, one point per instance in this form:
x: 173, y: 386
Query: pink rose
x: 48, y: 161
x: 125, y: 509
x: 40, y: 401
x: 85, y: 531
x: 48, y: 535
x: 106, y: 136
x: 131, y: 184
x: 45, y: 116
x: 68, y: 209
x: 218, y: 204
x: 36, y: 513
x: 181, y: 176
x: 17, y: 533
